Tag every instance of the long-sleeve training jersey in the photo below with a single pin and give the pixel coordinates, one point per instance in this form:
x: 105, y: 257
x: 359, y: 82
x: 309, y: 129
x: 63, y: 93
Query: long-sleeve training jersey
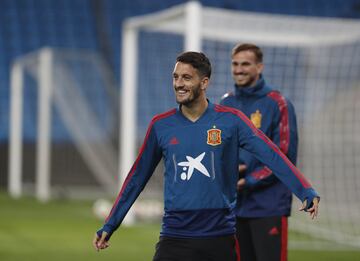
x: 264, y: 194
x: 201, y: 171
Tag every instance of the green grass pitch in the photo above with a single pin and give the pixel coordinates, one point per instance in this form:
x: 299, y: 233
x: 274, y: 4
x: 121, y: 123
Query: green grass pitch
x: 63, y: 230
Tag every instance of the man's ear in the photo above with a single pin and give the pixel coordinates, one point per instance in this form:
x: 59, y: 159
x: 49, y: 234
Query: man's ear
x: 260, y: 67
x: 204, y: 83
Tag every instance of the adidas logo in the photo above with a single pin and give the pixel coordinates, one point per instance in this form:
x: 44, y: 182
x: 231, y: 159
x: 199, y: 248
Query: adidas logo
x: 274, y: 231
x: 174, y: 141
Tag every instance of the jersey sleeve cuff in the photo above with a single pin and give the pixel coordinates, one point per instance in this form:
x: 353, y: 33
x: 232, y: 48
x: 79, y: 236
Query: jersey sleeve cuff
x: 106, y: 228
x: 309, y: 197
x: 250, y: 181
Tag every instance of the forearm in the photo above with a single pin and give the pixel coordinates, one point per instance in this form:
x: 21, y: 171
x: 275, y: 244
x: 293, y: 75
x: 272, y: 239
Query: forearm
x: 270, y: 155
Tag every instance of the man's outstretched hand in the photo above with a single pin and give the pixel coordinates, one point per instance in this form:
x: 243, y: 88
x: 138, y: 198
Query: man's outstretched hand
x: 314, y: 209
x: 100, y: 243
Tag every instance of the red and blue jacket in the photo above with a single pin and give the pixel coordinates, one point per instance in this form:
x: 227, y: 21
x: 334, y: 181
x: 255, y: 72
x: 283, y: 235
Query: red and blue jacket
x: 264, y: 194
x: 201, y: 170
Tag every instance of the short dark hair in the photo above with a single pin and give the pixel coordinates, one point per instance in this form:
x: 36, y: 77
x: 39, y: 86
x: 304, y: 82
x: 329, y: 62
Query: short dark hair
x: 197, y: 60
x: 248, y: 47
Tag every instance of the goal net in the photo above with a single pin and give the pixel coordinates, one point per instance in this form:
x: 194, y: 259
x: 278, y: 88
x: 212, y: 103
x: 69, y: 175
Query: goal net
x: 64, y: 125
x: 315, y: 62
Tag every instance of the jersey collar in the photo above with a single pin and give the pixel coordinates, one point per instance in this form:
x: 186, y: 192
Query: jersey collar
x: 204, y: 117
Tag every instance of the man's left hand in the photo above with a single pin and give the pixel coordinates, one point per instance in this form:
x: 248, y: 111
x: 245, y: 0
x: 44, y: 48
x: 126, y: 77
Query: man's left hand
x: 314, y: 209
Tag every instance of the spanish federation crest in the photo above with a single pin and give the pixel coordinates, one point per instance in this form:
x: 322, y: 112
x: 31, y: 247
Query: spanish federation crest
x: 214, y: 137
x: 256, y: 118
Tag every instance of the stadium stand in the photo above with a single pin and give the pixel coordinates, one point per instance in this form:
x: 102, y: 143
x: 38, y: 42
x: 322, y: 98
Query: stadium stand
x: 28, y: 25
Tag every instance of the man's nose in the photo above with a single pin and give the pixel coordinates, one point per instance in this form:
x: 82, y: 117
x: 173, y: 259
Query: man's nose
x: 237, y: 69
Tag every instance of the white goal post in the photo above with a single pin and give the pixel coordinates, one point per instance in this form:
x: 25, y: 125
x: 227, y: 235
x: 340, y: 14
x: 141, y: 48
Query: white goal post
x: 312, y: 59
x: 43, y: 152
x: 77, y: 86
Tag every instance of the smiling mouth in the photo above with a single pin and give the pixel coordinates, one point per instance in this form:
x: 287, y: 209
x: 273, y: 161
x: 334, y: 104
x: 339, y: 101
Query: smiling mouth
x: 181, y: 91
x: 241, y: 77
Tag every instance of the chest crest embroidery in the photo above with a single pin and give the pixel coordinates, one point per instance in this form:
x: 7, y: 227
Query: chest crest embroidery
x: 256, y: 118
x: 214, y: 136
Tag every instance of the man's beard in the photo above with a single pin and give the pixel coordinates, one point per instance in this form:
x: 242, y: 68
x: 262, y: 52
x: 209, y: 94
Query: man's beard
x: 196, y: 91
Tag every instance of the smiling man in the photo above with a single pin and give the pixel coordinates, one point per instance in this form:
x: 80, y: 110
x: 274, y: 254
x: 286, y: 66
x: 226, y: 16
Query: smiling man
x: 199, y: 142
x: 264, y: 202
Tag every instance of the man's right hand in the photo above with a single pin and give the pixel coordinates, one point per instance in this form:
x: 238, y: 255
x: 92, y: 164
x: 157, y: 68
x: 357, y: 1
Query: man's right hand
x: 100, y: 243
x: 241, y: 184
x: 242, y: 168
